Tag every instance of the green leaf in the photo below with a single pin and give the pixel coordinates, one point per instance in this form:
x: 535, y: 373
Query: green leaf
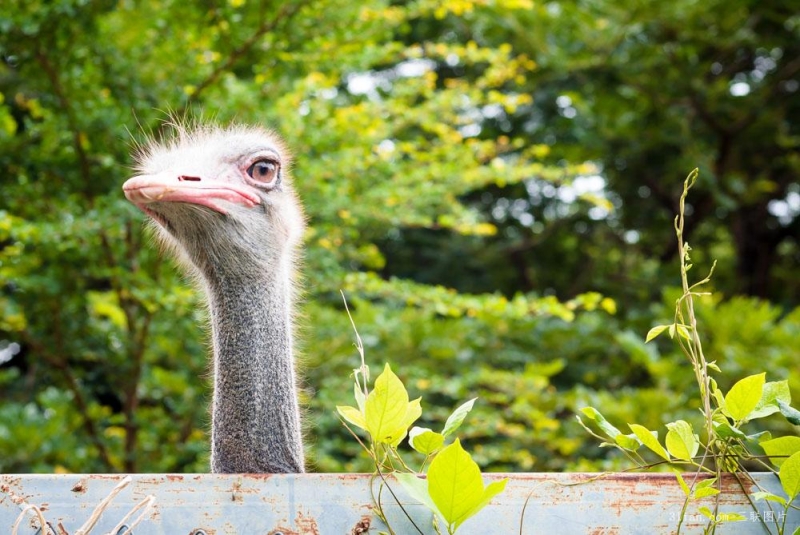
x: 743, y: 397
x: 686, y: 490
x: 681, y: 442
x: 413, y: 412
x: 602, y: 423
x: 492, y: 489
x: 724, y: 430
x: 360, y: 397
x: 772, y: 392
x: 456, y: 487
x: 650, y: 440
x: 705, y: 492
x: 455, y: 420
x: 417, y: 488
x: 352, y: 415
x: 761, y: 495
x: 790, y: 413
x: 683, y: 331
x: 655, y: 331
x: 387, y: 411
x: 706, y: 512
x: 705, y: 483
x: 425, y: 440
x: 627, y: 442
x: 789, y: 475
x: 781, y: 448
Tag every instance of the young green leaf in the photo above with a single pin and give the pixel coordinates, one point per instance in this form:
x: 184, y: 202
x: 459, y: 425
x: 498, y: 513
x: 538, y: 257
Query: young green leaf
x: 681, y: 442
x: 455, y: 420
x: 492, y: 489
x: 730, y: 517
x: 655, y: 331
x: 627, y: 442
x: 352, y: 415
x: 456, y: 487
x: 706, y: 512
x: 683, y: 484
x: 412, y: 414
x: 387, y: 411
x: 650, y: 440
x: 360, y: 397
x: 743, y: 397
x: 724, y: 430
x: 705, y: 492
x: 602, y: 423
x: 781, y: 448
x: 789, y: 475
x: 771, y: 393
x: 705, y: 488
x: 683, y: 330
x: 706, y: 483
x: 768, y: 496
x: 425, y: 440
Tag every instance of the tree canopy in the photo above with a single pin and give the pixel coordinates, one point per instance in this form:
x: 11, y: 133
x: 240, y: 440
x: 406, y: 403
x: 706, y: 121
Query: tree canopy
x: 491, y: 183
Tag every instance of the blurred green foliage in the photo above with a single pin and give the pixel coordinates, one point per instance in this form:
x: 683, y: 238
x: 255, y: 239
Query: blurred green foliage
x: 492, y: 183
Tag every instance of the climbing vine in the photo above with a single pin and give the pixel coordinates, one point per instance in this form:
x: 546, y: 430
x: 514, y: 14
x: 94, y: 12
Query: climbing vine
x: 727, y: 444
x: 448, y: 481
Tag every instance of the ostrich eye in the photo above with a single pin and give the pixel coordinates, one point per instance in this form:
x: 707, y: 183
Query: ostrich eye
x: 265, y: 171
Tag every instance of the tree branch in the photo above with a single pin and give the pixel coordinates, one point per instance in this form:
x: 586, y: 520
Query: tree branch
x: 287, y: 10
x: 137, y: 337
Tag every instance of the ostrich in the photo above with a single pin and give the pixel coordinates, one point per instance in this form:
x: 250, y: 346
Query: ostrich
x: 222, y: 202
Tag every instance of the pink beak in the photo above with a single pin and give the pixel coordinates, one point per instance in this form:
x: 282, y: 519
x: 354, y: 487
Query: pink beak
x: 168, y: 187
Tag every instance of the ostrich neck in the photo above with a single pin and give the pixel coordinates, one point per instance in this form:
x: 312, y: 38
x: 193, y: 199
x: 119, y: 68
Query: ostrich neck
x: 255, y: 417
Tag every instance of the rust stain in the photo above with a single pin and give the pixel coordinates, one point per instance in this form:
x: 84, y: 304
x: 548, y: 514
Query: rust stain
x: 236, y: 493
x: 307, y: 524
x: 260, y: 477
x: 350, y: 477
x: 605, y: 531
x: 362, y: 527
x: 16, y: 500
x: 79, y: 487
x: 174, y: 477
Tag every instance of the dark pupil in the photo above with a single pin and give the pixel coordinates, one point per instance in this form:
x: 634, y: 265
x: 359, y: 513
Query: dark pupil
x: 263, y: 168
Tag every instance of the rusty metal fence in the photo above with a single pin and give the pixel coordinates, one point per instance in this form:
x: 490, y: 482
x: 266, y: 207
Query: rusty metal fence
x: 203, y: 504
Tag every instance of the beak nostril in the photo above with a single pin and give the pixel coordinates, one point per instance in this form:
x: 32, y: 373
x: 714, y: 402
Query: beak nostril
x: 190, y: 178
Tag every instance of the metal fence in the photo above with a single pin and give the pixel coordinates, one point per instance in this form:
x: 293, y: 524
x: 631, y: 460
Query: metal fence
x: 203, y: 504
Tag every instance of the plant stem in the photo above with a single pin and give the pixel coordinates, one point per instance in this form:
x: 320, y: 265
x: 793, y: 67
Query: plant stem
x: 695, y: 349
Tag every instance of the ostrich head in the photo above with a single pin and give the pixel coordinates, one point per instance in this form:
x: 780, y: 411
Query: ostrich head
x: 222, y: 201
x: 221, y: 197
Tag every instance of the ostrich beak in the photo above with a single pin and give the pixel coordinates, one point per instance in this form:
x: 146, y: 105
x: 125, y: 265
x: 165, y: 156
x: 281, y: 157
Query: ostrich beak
x: 144, y: 190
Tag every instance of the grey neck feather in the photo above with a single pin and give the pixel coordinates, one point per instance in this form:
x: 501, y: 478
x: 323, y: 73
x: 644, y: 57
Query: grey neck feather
x: 255, y: 416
